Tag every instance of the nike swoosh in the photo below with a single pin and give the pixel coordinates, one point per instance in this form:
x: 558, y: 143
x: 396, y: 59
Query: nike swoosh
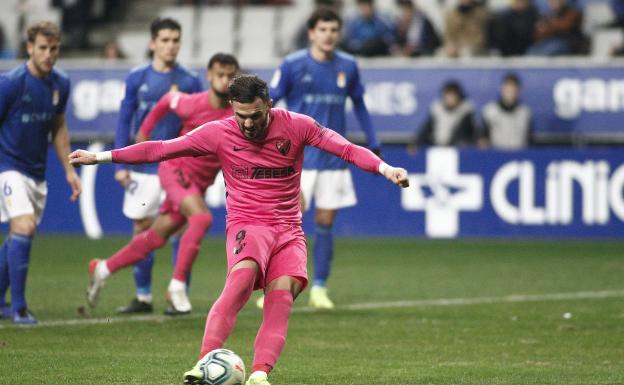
x: 239, y: 148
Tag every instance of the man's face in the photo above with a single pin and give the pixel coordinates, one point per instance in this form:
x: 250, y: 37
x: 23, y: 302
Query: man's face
x: 219, y: 76
x: 325, y: 35
x: 166, y: 45
x: 252, y: 118
x: 43, y: 53
x: 510, y: 92
x: 450, y: 99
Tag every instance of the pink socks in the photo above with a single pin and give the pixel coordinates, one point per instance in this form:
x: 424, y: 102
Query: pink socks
x: 198, y: 225
x: 222, y: 316
x: 272, y: 334
x: 135, y: 251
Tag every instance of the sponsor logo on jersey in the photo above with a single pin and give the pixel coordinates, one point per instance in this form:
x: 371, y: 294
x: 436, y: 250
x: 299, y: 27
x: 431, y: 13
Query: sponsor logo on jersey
x: 307, y: 78
x: 55, y: 97
x: 341, y: 80
x: 272, y: 173
x: 283, y: 146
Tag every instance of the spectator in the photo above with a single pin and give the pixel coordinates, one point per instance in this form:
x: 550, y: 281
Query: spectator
x: 415, y: 35
x: 451, y: 120
x: 465, y: 30
x: 513, y: 29
x: 507, y: 121
x: 111, y: 51
x: 368, y: 33
x: 301, y: 40
x: 617, y: 6
x: 558, y: 33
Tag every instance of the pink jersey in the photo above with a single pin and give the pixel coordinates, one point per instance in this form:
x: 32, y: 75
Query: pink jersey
x: 194, y: 110
x: 262, y: 178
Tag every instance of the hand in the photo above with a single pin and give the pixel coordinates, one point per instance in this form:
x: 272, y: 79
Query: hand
x: 82, y: 157
x: 74, y: 182
x: 140, y: 137
x: 397, y: 176
x: 123, y: 178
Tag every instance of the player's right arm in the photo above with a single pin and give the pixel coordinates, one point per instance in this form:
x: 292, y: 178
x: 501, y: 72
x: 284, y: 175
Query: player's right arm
x: 167, y: 103
x: 128, y: 107
x: 201, y: 141
x: 280, y: 83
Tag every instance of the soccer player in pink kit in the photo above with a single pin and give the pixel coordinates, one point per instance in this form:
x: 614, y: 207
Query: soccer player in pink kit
x: 185, y: 181
x: 261, y: 153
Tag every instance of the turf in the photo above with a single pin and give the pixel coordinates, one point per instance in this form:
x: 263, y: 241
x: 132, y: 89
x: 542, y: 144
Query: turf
x: 488, y: 343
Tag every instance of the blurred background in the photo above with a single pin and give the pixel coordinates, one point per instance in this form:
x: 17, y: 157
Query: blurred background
x: 535, y: 86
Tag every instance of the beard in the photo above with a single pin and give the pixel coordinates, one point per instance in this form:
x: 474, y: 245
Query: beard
x: 221, y: 95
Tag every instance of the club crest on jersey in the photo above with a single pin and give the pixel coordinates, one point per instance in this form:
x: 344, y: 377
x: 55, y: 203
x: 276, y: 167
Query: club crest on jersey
x: 174, y: 88
x: 341, y: 80
x: 283, y: 146
x: 55, y: 98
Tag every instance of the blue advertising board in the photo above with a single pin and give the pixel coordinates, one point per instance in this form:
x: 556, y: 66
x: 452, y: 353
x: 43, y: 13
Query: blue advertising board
x: 566, y: 101
x: 554, y: 193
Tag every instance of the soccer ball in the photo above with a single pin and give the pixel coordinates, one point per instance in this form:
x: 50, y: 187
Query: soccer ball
x: 222, y: 367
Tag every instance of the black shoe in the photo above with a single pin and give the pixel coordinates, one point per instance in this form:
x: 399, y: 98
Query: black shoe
x: 172, y: 311
x: 136, y: 306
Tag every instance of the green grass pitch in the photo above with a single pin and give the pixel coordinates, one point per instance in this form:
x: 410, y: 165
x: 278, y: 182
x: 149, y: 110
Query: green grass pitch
x: 392, y: 326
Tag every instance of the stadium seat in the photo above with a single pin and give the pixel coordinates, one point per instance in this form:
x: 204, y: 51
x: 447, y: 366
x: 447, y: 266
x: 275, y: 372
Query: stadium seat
x: 595, y: 15
x: 186, y: 16
x: 215, y: 32
x: 257, y: 35
x: 134, y: 44
x: 45, y: 14
x: 603, y: 41
x: 290, y: 20
x: 9, y: 20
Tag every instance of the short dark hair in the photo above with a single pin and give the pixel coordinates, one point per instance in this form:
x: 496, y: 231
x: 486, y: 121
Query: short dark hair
x: 164, y: 23
x: 455, y: 87
x: 323, y: 14
x: 45, y: 28
x: 224, y: 59
x: 246, y: 88
x: 512, y: 78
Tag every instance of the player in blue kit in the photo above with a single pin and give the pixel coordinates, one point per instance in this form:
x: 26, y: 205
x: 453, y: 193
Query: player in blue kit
x: 33, y: 97
x: 145, y: 85
x: 317, y: 82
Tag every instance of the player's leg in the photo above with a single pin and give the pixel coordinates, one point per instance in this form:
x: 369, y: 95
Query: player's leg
x: 287, y: 277
x: 22, y: 203
x: 333, y: 190
x: 199, y: 221
x: 5, y: 307
x: 138, y: 248
x: 141, y: 202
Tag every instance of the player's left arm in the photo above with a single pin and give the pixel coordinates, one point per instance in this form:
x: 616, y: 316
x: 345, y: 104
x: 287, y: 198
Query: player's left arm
x: 334, y: 143
x: 60, y: 141
x: 356, y: 92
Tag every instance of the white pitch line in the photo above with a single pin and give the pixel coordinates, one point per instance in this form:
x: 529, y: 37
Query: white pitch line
x: 353, y: 307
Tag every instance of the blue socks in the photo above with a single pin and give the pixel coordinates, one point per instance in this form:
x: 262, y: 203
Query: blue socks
x: 143, y: 275
x: 4, y: 271
x: 18, y: 255
x: 323, y: 253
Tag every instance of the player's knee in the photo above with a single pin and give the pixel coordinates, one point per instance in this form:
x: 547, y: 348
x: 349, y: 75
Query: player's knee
x: 292, y: 284
x: 141, y: 225
x: 25, y: 225
x: 203, y: 220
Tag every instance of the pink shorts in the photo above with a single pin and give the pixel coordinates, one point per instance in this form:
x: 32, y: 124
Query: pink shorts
x: 279, y: 250
x: 178, y: 185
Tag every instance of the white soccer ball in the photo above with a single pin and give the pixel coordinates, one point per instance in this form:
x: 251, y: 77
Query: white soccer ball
x: 222, y: 367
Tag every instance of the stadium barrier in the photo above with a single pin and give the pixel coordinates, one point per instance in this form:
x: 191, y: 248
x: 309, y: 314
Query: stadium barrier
x: 545, y: 192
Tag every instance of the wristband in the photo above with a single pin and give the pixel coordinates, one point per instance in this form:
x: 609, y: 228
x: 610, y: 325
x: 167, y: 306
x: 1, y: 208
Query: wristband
x: 383, y: 166
x: 104, y: 157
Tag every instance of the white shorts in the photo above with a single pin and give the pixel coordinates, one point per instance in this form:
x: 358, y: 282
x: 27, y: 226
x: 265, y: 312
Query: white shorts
x: 330, y: 189
x: 21, y: 195
x: 143, y: 196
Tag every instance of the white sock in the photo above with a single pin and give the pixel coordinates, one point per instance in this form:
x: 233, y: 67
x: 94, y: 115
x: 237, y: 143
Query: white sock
x: 258, y: 374
x: 101, y: 270
x: 144, y: 298
x: 176, y: 285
